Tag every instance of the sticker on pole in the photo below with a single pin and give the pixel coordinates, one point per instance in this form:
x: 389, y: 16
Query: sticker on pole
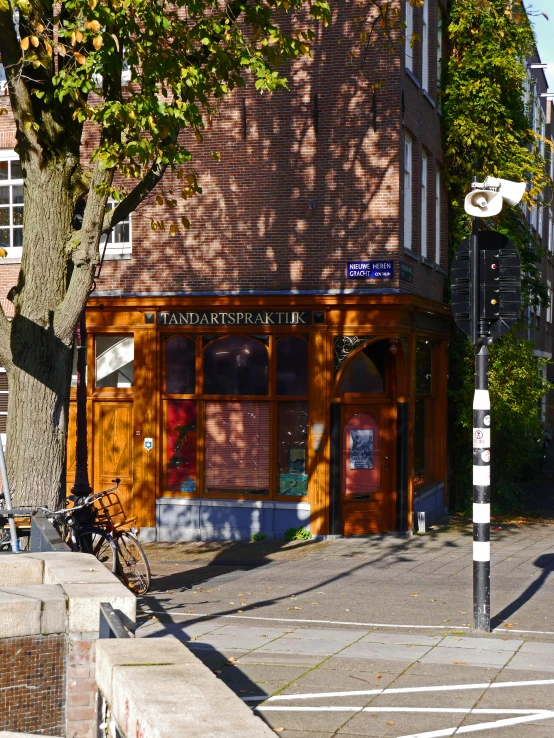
x: 148, y: 444
x: 481, y: 438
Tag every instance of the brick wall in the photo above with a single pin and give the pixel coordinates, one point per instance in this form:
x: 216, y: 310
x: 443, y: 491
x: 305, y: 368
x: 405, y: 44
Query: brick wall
x: 32, y: 684
x: 306, y: 181
x: 81, y: 688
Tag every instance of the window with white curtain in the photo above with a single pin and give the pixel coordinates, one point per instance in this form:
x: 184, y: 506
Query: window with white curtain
x: 438, y: 217
x: 11, y: 204
x: 423, y: 204
x: 409, y: 33
x: 439, y: 52
x: 425, y: 46
x: 407, y: 192
x: 549, y: 304
x: 539, y: 221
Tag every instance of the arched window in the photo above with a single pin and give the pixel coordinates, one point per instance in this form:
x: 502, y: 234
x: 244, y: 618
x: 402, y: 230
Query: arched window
x: 236, y: 365
x: 292, y: 366
x: 361, y: 375
x: 180, y: 373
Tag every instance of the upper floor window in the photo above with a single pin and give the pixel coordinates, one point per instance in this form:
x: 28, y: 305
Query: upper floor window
x: 11, y: 204
x: 407, y: 191
x: 425, y: 46
x: 409, y: 32
x: 423, y: 203
x: 119, y: 238
x: 439, y: 53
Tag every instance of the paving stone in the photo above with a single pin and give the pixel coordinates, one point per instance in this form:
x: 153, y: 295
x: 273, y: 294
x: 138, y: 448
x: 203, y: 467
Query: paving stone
x: 291, y: 644
x: 482, y: 643
x: 391, y: 652
x: 332, y: 680
x: 467, y: 656
x: 230, y: 642
x: 380, y: 666
x: 401, y: 639
x: 532, y: 662
x: 304, y: 721
x: 288, y: 659
x: 329, y: 634
x: 379, y: 723
x: 449, y: 673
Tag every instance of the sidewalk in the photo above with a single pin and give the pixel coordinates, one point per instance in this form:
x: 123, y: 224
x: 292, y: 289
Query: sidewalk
x: 363, y: 616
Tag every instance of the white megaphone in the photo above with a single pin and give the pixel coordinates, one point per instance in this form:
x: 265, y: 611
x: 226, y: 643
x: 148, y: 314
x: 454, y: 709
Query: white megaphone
x: 486, y: 198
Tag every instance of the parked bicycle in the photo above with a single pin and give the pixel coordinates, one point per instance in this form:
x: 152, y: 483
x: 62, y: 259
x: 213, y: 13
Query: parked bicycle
x: 89, y: 529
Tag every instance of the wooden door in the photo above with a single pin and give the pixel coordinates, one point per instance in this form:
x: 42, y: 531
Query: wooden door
x: 113, y: 449
x: 365, y: 472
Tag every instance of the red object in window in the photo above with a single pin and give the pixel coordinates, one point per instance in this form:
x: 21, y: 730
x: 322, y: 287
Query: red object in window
x: 181, y: 446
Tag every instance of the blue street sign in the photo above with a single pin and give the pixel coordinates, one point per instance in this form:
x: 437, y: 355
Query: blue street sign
x: 370, y: 269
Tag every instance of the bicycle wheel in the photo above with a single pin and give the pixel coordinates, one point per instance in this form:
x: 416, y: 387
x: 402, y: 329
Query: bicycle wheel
x: 133, y: 564
x: 101, y: 545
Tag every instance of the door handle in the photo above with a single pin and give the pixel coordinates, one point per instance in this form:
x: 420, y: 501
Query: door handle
x: 386, y: 468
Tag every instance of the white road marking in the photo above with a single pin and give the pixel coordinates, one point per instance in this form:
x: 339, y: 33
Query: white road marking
x: 181, y: 613
x: 405, y: 690
x: 543, y: 715
x: 439, y: 710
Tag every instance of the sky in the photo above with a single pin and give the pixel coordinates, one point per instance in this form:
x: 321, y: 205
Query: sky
x: 544, y: 32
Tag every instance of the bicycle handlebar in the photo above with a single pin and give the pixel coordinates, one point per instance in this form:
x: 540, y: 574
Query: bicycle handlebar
x: 85, y: 503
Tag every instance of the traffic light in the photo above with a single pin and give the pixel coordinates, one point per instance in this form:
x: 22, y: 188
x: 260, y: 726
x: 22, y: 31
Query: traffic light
x: 498, y: 289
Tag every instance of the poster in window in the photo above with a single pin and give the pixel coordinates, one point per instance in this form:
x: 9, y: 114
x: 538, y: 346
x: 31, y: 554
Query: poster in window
x: 361, y: 449
x: 297, y: 460
x: 181, y: 446
x: 293, y: 484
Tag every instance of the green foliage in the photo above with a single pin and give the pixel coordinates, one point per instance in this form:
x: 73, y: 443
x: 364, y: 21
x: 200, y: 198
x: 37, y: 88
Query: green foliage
x: 297, y: 534
x: 259, y: 536
x: 487, y: 132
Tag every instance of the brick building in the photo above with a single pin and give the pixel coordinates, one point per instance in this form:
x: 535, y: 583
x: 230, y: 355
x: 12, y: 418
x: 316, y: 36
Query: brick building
x: 239, y: 380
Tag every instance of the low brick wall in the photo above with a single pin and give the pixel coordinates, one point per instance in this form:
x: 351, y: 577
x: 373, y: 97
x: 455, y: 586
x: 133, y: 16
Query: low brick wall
x: 49, y: 620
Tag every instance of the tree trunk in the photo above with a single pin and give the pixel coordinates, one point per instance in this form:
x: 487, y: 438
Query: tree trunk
x: 39, y: 373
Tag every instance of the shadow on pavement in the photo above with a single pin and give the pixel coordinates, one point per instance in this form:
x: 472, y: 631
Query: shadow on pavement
x: 544, y: 562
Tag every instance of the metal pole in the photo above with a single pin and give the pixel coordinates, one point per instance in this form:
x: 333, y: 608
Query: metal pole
x: 82, y: 486
x: 481, y: 493
x: 474, y: 281
x: 8, y: 500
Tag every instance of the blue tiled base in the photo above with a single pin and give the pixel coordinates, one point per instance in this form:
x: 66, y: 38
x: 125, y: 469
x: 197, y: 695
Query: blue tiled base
x: 431, y: 502
x: 179, y: 519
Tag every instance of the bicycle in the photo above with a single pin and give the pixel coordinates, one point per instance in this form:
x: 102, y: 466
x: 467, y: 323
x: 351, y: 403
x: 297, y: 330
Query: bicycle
x: 133, y: 567
x: 79, y: 532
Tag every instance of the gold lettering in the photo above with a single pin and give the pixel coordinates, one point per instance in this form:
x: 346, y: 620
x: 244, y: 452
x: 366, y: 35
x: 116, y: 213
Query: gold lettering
x: 204, y: 320
x: 259, y: 319
x: 232, y: 318
x: 173, y: 319
x: 164, y: 318
x: 248, y: 318
x: 223, y: 316
x: 214, y: 319
x: 192, y: 316
x: 183, y: 319
x: 269, y: 319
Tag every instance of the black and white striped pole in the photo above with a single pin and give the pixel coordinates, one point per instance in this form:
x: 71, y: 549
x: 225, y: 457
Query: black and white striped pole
x: 481, y: 493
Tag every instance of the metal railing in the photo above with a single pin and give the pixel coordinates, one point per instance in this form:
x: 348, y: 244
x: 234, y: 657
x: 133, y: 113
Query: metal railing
x: 114, y: 623
x: 44, y: 537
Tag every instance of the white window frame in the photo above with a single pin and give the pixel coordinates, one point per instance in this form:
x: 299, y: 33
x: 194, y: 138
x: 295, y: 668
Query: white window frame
x: 539, y: 221
x: 439, y: 51
x: 549, y: 304
x: 425, y: 46
x: 117, y: 249
x: 409, y: 33
x: 408, y: 190
x: 424, y: 169
x: 438, y: 216
x: 550, y: 232
x: 14, y: 252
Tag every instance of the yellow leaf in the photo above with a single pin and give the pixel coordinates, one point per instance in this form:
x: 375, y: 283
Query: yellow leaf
x: 79, y: 36
x: 34, y: 41
x: 185, y: 221
x: 191, y: 179
x: 80, y: 58
x: 25, y: 43
x: 97, y: 42
x: 304, y: 49
x: 94, y: 25
x: 198, y: 136
x: 3, y: 253
x: 216, y: 155
x: 39, y: 27
x: 61, y: 50
x: 159, y: 200
x: 116, y: 41
x: 173, y: 229
x: 73, y: 38
x: 48, y: 48
x: 93, y: 3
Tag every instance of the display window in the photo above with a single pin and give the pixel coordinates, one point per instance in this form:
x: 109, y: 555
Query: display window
x: 425, y: 396
x: 236, y: 415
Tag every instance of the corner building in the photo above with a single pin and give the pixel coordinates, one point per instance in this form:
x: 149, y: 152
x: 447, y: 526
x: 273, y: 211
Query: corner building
x: 239, y: 380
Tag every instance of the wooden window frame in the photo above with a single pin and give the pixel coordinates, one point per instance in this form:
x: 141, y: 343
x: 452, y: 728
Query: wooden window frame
x: 201, y: 399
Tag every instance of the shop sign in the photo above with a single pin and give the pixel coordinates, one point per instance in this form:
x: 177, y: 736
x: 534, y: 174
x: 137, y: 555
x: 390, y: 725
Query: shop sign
x: 370, y: 269
x: 246, y: 317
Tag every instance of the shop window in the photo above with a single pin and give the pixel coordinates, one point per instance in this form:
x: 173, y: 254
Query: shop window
x: 419, y: 442
x: 292, y: 366
x: 181, y: 446
x: 423, y: 368
x: 237, y: 447
x: 292, y: 437
x: 180, y: 360
x: 364, y: 372
x: 114, y: 361
x: 236, y: 365
x: 11, y: 205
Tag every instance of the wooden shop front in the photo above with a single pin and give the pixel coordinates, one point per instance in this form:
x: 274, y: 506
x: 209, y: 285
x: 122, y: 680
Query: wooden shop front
x: 229, y: 417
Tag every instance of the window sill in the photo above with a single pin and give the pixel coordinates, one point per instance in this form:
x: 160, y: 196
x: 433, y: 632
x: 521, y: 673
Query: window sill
x: 429, y: 99
x: 414, y: 79
x: 13, y: 260
x: 441, y: 270
x: 410, y: 254
x: 126, y: 255
x: 427, y: 262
